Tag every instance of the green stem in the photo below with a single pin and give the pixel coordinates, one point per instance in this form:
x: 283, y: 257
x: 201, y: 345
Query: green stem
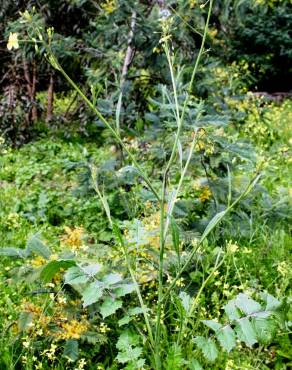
x: 56, y: 65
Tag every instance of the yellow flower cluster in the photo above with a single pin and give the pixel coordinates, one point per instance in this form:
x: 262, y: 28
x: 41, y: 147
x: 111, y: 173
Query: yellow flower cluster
x: 73, y: 329
x: 205, y: 194
x: 13, y: 221
x: 73, y: 237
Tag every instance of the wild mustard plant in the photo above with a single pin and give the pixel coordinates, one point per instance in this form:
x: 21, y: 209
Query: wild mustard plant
x: 109, y: 288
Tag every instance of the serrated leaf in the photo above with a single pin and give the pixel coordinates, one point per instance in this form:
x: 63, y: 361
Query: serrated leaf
x: 246, y: 304
x: 131, y: 354
x: 137, y: 310
x: 91, y: 269
x: 53, y: 267
x: 208, y: 348
x: 75, y: 276
x: 35, y: 245
x: 127, y: 339
x: 124, y: 290
x: 246, y: 332
x: 112, y: 279
x: 272, y: 303
x: 264, y: 330
x: 109, y: 307
x: 226, y: 338
x: 214, y: 325
x: 186, y: 301
x: 125, y: 320
x: 231, y: 311
x: 92, y: 293
x: 71, y: 350
x: 25, y: 320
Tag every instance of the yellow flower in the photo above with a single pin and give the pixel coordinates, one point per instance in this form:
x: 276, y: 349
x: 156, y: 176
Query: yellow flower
x: 109, y: 6
x: 73, y: 329
x: 13, y: 41
x: 73, y: 238
x: 205, y: 194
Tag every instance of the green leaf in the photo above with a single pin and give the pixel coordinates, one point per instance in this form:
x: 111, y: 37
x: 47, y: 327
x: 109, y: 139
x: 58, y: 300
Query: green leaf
x: 246, y: 332
x: 71, y: 350
x: 130, y: 354
x: 124, y: 290
x: 231, y: 311
x: 35, y: 245
x: 264, y: 329
x: 13, y: 252
x: 212, y: 224
x: 75, y: 276
x: 214, y: 325
x: 186, y: 301
x: 246, y: 304
x: 112, y: 279
x: 125, y: 320
x: 91, y: 269
x: 110, y: 306
x: 195, y: 365
x: 208, y: 348
x: 53, y: 267
x: 226, y: 338
x: 127, y: 339
x: 24, y: 321
x: 92, y: 293
x: 272, y: 303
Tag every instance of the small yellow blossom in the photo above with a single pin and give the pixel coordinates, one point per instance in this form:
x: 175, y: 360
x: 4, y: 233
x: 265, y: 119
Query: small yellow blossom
x: 73, y: 237
x: 109, y: 6
x: 38, y: 261
x: 73, y: 329
x: 13, y: 41
x: 205, y: 194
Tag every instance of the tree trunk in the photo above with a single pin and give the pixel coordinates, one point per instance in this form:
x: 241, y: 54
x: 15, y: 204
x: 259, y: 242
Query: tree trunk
x: 31, y: 87
x: 50, y: 105
x: 34, y: 112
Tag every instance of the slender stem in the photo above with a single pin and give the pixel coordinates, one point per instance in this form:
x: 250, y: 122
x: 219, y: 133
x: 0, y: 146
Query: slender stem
x: 196, y: 300
x: 56, y: 65
x: 207, y: 232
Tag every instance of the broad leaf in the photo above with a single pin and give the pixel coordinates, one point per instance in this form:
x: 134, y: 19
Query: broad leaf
x: 214, y: 325
x: 226, y: 338
x: 35, y: 245
x: 75, y: 276
x: 71, y: 350
x: 231, y: 311
x: 124, y: 290
x: 91, y: 269
x: 246, y: 304
x: 92, y: 293
x: 208, y: 348
x: 112, y: 279
x: 264, y: 330
x: 53, y: 267
x: 13, y: 252
x: 110, y: 306
x: 246, y: 332
x: 272, y: 303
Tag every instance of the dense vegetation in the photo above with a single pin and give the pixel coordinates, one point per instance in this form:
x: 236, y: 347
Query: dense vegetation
x: 145, y: 194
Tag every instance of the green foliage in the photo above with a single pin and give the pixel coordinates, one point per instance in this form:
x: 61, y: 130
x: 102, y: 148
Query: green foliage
x: 248, y: 321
